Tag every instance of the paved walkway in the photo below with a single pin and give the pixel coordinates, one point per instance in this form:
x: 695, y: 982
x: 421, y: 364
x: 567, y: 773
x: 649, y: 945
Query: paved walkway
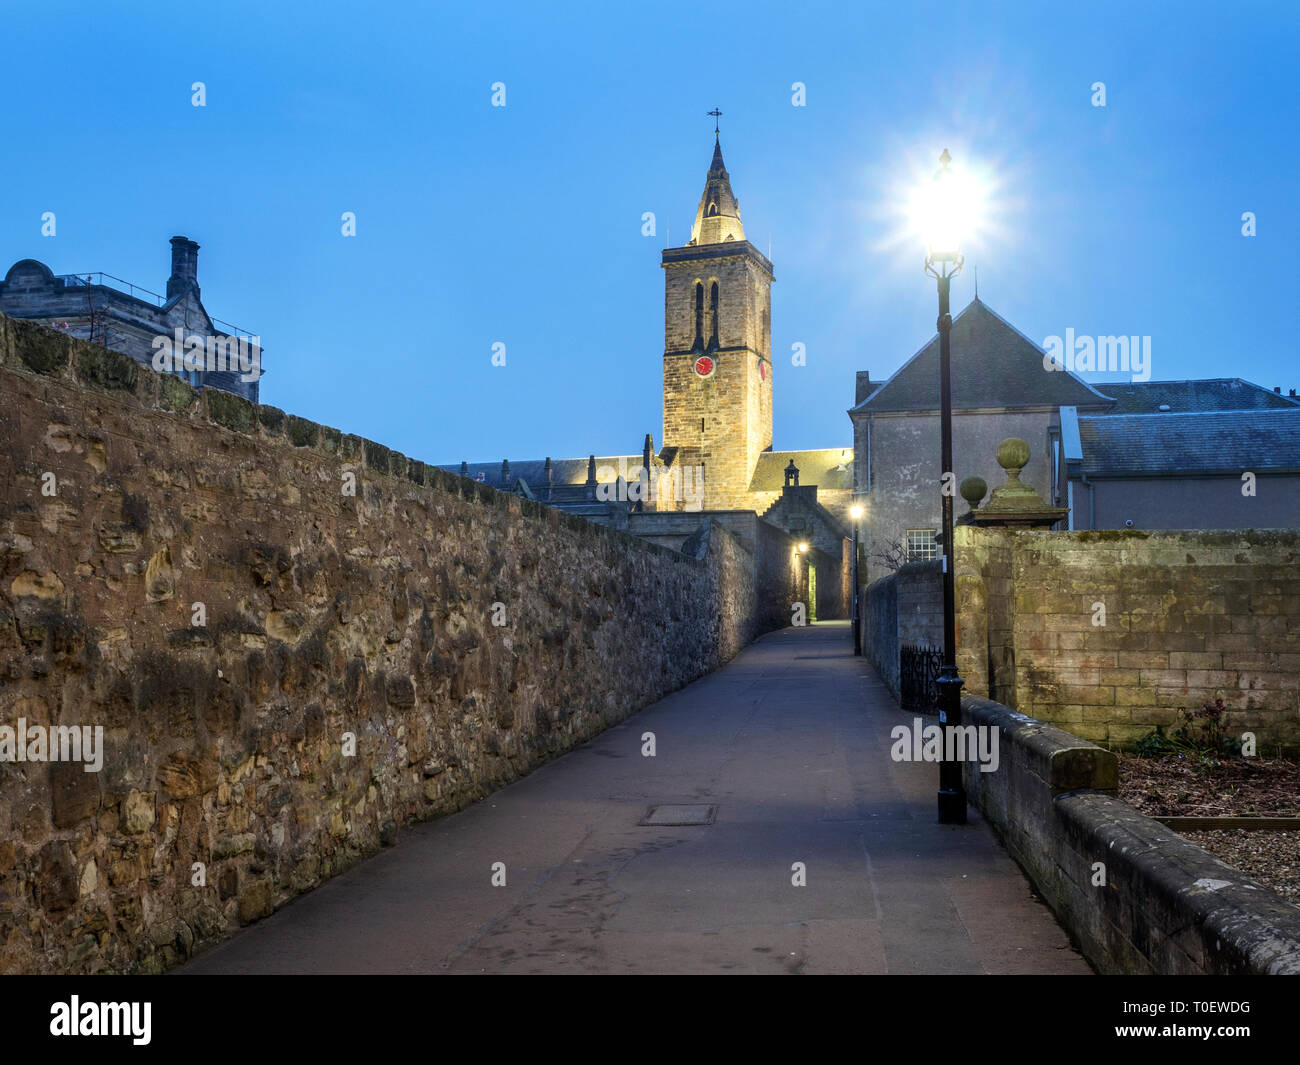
x: 791, y: 742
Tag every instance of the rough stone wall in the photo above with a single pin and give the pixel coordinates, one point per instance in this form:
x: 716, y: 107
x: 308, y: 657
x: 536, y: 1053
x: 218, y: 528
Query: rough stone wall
x: 1190, y: 617
x: 905, y: 607
x: 327, y: 614
x: 879, y: 606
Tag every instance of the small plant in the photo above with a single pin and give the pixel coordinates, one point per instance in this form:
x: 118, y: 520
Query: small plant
x: 1206, y: 730
x: 1201, y: 734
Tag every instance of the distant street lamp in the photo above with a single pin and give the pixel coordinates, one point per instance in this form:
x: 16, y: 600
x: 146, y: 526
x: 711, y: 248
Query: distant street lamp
x: 855, y: 512
x: 943, y: 262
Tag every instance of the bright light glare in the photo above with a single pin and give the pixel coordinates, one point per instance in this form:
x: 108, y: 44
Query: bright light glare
x: 944, y: 210
x: 855, y: 511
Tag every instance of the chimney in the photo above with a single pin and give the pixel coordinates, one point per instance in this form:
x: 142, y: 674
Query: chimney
x: 1292, y: 393
x: 185, y: 268
x: 1277, y: 389
x: 864, y: 387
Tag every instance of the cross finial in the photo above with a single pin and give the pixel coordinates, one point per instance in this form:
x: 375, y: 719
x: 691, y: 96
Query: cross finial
x: 945, y: 159
x: 716, y: 115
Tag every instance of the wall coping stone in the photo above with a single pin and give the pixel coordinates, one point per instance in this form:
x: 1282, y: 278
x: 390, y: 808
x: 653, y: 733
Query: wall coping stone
x: 1167, y: 905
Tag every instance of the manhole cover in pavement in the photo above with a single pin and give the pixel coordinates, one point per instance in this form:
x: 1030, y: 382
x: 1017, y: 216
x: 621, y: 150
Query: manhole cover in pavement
x: 679, y: 814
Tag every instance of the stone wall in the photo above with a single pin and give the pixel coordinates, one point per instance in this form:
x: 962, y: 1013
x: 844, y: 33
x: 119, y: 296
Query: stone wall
x: 189, y: 572
x: 1136, y: 897
x: 1108, y: 634
x: 905, y: 607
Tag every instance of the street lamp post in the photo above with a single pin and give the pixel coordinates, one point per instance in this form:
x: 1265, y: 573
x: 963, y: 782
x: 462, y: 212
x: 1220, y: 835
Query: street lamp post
x: 855, y: 512
x: 943, y: 261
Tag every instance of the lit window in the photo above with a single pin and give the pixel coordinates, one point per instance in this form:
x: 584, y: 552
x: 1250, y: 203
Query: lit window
x: 920, y: 545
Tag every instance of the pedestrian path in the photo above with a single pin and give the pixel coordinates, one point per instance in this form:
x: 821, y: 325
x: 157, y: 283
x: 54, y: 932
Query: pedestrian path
x: 789, y: 743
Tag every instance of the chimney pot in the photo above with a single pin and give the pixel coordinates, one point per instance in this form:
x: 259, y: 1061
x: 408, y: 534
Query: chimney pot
x: 863, y: 386
x: 1277, y: 389
x: 185, y: 268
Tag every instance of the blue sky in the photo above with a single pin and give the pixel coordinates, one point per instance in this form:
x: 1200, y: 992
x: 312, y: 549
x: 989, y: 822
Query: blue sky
x: 522, y: 224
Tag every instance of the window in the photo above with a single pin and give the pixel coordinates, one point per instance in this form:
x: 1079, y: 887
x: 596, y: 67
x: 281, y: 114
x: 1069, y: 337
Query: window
x: 699, y: 314
x: 713, y: 315
x: 920, y: 545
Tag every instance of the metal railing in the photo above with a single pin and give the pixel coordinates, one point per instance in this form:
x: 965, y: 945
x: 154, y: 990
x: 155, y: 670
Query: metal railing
x: 101, y: 279
x: 918, y: 669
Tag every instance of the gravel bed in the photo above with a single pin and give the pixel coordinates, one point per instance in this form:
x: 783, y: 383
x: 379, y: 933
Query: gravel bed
x: 1272, y: 858
x: 1170, y: 786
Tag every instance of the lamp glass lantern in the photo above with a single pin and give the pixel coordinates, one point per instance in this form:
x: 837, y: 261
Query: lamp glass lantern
x: 944, y: 212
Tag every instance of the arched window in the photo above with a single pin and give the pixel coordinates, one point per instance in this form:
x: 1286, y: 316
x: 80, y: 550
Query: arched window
x: 699, y: 315
x: 713, y: 316
x: 713, y: 209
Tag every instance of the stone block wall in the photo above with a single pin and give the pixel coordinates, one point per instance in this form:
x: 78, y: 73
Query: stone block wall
x: 905, y: 607
x: 1109, y: 634
x: 190, y: 572
x: 1137, y: 898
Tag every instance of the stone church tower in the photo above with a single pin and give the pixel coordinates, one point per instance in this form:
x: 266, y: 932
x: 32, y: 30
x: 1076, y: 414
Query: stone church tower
x: 718, y: 348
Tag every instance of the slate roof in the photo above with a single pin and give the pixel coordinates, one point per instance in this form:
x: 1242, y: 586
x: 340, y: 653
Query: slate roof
x: 993, y: 365
x: 1194, y: 442
x: 830, y: 469
x: 1220, y: 393
x: 533, y: 471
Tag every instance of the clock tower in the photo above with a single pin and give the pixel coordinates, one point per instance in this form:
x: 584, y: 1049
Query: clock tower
x: 717, y: 349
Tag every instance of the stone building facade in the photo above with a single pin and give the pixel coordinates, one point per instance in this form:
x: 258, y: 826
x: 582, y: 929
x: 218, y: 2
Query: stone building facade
x: 128, y: 319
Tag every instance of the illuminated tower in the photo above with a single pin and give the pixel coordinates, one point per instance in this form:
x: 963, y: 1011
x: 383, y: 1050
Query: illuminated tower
x: 717, y: 347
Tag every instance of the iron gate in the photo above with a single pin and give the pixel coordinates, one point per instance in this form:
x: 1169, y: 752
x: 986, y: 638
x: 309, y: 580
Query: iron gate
x: 918, y: 669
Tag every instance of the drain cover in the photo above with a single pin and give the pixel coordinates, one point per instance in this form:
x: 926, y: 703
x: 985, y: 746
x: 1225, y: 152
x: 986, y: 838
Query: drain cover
x: 680, y: 814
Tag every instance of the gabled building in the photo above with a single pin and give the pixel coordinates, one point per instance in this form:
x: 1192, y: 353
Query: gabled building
x: 1158, y: 454
x: 1000, y: 388
x: 126, y: 318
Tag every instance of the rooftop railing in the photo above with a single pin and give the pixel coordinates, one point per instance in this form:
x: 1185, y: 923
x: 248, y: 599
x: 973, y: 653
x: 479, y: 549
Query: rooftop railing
x: 101, y: 279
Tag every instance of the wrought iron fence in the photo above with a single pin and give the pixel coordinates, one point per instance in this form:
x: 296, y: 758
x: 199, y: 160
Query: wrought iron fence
x: 918, y: 669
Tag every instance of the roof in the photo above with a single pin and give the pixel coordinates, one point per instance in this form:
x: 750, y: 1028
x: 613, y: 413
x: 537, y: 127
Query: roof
x: 1220, y: 393
x: 533, y: 471
x: 993, y: 365
x: 829, y: 468
x: 1201, y: 442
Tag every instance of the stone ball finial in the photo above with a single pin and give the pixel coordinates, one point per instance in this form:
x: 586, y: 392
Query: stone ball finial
x: 973, y: 489
x: 1013, y: 455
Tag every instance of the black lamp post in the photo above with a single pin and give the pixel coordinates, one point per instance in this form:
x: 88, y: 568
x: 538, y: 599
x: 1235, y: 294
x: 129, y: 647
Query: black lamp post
x: 943, y: 262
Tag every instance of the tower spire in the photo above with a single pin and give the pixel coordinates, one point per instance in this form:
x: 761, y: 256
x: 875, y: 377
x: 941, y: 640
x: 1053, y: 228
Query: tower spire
x: 717, y: 219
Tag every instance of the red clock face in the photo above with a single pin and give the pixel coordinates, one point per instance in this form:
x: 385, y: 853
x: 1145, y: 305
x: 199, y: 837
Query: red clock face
x: 704, y: 366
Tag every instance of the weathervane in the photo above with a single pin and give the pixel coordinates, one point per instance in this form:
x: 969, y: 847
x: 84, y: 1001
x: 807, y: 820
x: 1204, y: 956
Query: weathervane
x: 716, y: 115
